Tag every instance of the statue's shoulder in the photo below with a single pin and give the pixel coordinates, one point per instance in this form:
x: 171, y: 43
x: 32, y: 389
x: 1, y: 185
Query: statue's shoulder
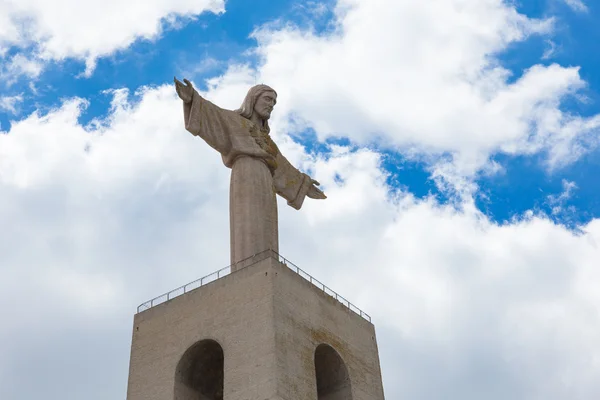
x: 209, y: 103
x: 235, y: 117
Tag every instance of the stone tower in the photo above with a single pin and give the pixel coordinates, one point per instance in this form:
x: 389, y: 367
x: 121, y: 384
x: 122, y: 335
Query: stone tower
x: 266, y: 331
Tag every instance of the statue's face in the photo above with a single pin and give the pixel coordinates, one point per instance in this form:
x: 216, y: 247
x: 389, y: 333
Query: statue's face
x: 265, y: 103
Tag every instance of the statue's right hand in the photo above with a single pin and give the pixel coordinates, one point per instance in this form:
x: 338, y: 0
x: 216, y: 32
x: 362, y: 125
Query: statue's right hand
x: 185, y: 92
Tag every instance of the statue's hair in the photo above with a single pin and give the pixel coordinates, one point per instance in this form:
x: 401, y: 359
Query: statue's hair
x: 254, y: 93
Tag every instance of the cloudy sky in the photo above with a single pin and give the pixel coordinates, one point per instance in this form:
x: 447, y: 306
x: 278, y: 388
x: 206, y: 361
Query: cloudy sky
x: 457, y: 140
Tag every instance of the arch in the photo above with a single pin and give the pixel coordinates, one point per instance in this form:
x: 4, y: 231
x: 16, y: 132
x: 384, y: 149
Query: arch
x: 199, y: 373
x: 333, y: 381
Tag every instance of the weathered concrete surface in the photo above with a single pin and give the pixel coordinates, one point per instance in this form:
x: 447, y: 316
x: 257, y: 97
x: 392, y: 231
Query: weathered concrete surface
x: 304, y: 318
x: 253, y: 210
x: 259, y: 170
x: 269, y: 322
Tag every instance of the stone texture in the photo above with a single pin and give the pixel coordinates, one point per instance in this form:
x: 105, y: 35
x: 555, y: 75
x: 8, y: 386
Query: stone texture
x: 242, y: 137
x: 253, y: 211
x: 269, y: 322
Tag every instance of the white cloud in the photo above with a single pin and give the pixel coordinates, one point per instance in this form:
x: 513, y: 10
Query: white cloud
x: 313, y: 9
x: 558, y: 203
x: 423, y: 77
x: 577, y: 5
x: 99, y: 218
x: 550, y: 50
x: 568, y: 188
x: 18, y: 66
x: 9, y: 103
x: 81, y: 207
x: 88, y: 30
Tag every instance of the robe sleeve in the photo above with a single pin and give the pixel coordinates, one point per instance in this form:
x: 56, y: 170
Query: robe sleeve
x: 290, y: 183
x: 210, y: 122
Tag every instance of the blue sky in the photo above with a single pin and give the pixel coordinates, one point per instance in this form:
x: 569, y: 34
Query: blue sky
x: 224, y: 39
x: 457, y: 142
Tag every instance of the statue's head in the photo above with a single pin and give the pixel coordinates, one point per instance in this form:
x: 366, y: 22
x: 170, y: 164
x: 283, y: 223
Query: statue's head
x: 260, y: 100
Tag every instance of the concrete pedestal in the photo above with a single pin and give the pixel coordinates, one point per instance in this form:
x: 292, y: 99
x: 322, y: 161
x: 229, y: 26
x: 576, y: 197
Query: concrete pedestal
x: 265, y: 332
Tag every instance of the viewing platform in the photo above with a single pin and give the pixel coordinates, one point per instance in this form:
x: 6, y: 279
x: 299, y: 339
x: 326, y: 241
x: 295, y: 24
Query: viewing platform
x: 248, y: 263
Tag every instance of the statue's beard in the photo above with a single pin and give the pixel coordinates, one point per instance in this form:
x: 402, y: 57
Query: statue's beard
x: 263, y: 113
x: 266, y: 114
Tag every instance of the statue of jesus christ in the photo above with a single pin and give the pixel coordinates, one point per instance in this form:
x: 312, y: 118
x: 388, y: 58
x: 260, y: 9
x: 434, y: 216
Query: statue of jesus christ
x: 258, y: 170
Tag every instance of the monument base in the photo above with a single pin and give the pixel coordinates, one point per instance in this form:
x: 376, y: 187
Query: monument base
x: 264, y: 332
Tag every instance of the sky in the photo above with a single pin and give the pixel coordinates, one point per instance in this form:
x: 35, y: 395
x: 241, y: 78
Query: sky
x: 457, y: 142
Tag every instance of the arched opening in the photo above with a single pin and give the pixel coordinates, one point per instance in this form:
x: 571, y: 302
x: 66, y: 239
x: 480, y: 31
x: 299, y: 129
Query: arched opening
x: 333, y: 382
x: 199, y: 373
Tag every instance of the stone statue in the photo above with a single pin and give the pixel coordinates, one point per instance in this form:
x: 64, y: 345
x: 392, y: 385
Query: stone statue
x: 258, y: 169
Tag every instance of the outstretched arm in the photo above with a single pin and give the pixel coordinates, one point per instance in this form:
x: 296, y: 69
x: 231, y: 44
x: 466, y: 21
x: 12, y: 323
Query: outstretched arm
x: 203, y: 118
x: 293, y: 185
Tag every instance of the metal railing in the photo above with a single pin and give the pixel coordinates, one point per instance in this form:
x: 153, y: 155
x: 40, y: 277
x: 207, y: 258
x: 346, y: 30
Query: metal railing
x: 247, y: 262
x: 322, y: 286
x: 199, y: 282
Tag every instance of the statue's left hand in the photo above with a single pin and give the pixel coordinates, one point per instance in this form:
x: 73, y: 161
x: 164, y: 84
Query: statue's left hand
x: 314, y: 192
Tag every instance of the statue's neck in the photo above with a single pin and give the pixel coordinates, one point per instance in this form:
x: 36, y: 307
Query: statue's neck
x: 261, y: 123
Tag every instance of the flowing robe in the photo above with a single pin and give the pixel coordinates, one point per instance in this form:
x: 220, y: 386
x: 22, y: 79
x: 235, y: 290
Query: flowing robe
x: 258, y: 172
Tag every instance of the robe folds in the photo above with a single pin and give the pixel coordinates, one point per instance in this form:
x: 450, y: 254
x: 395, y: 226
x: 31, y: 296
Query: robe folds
x: 258, y: 172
